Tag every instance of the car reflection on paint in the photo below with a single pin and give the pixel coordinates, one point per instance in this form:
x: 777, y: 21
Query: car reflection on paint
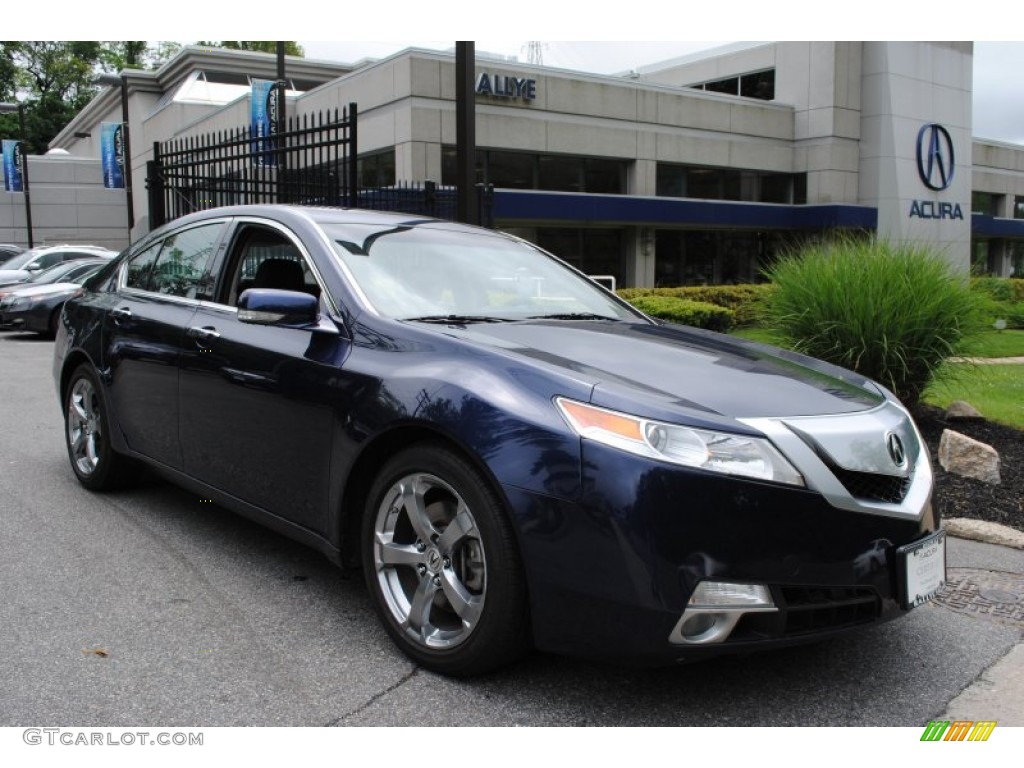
x: 513, y: 456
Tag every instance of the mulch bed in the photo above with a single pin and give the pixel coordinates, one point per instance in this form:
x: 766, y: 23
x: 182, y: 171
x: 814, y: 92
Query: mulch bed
x: 957, y: 496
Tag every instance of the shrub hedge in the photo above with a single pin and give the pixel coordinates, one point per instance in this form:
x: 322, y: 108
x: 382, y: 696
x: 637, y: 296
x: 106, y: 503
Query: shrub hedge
x: 700, y: 314
x: 1003, y: 297
x: 744, y: 301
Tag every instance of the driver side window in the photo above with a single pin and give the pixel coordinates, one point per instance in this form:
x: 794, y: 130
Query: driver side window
x: 266, y: 258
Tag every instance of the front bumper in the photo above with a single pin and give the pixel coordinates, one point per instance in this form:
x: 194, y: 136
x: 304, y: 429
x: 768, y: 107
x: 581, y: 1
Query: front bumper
x: 610, y: 573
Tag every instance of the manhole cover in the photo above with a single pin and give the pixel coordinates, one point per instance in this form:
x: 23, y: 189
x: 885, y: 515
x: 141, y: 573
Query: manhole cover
x: 994, y: 595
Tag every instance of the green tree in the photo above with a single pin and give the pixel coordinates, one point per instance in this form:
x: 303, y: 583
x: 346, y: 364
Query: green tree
x: 291, y: 48
x: 54, y: 80
x: 118, y: 55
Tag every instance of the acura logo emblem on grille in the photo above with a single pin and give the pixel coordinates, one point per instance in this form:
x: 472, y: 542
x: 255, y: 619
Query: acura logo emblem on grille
x: 897, y: 452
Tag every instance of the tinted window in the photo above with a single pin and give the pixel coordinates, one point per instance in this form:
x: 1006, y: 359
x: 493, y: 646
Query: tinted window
x: 267, y: 258
x: 46, y: 260
x: 181, y: 269
x: 140, y: 266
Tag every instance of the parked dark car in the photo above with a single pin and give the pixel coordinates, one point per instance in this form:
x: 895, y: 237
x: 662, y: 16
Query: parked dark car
x: 513, y: 455
x: 36, y: 305
x: 22, y: 267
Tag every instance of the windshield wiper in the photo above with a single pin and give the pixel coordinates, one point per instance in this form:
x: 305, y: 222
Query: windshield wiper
x: 458, y: 319
x: 572, y: 316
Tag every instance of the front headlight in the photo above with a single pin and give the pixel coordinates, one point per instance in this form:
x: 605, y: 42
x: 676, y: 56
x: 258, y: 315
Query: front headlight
x: 689, y: 447
x: 18, y: 304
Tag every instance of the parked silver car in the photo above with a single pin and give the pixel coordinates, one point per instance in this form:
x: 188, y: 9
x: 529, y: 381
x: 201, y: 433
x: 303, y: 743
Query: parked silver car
x: 20, y: 268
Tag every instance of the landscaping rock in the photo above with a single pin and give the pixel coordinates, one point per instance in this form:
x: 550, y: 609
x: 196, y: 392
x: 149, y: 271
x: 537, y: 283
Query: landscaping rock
x: 982, y: 530
x: 960, y: 410
x: 965, y: 456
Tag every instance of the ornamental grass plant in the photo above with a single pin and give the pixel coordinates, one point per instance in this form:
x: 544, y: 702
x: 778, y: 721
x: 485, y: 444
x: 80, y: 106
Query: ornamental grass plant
x: 891, y: 312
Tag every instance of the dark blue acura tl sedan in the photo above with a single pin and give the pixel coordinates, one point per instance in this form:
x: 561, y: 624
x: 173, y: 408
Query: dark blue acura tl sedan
x: 514, y: 457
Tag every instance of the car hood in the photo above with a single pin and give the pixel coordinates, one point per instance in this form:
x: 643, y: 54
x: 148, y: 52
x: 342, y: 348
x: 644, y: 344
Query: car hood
x: 13, y: 275
x: 678, y: 366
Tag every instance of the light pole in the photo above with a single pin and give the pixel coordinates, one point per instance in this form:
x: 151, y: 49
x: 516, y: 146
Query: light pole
x: 7, y: 108
x: 122, y: 81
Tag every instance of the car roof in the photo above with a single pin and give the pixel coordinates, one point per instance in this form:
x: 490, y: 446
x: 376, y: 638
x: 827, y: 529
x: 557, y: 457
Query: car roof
x: 72, y: 246
x: 323, y: 215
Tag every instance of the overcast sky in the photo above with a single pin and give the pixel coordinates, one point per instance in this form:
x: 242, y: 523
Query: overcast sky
x: 998, y: 90
x: 998, y: 83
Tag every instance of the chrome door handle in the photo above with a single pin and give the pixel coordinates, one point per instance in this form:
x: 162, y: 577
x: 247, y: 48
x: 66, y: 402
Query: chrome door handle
x: 121, y: 315
x: 203, y: 334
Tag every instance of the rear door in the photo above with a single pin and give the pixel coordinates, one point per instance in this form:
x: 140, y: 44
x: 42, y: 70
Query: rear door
x: 159, y: 290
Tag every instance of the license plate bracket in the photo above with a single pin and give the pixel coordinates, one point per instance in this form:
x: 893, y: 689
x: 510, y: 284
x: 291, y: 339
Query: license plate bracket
x: 921, y: 569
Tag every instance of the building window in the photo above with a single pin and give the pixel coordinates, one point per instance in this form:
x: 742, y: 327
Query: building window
x: 755, y: 85
x: 377, y: 170
x: 1018, y: 207
x: 986, y: 203
x: 555, y: 173
x: 1017, y: 259
x: 592, y: 251
x: 729, y: 184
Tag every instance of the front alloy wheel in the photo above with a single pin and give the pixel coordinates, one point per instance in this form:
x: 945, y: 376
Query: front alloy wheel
x: 442, y: 564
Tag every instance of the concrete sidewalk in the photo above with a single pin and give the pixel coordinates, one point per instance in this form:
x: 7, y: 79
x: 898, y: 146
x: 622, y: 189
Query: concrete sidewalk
x: 986, y: 580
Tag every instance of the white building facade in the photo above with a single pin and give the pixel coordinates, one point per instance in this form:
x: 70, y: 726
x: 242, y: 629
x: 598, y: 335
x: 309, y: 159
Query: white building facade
x: 697, y: 170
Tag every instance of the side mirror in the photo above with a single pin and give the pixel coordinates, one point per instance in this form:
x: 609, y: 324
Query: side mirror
x: 270, y: 306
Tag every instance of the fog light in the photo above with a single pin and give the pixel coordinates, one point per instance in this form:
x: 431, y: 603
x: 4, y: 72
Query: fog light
x: 715, y: 608
x: 720, y: 594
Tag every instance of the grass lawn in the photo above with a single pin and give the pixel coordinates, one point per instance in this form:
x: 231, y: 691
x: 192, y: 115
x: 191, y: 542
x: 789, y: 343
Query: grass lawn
x: 998, y: 344
x: 996, y: 390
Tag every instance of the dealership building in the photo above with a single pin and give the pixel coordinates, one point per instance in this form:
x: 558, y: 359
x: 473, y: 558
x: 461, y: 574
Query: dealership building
x: 697, y: 170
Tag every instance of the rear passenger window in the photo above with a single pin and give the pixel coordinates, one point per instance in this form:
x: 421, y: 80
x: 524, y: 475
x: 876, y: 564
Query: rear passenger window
x: 178, y: 265
x: 182, y: 267
x: 140, y: 267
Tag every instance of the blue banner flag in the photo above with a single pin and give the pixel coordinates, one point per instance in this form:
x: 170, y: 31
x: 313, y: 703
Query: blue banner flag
x: 13, y: 158
x: 112, y: 154
x: 263, y: 111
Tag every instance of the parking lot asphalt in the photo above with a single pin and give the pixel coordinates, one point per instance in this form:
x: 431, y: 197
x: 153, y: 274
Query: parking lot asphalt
x: 152, y: 606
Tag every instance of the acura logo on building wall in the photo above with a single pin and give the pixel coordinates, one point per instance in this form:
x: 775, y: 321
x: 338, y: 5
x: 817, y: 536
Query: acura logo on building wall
x: 935, y: 160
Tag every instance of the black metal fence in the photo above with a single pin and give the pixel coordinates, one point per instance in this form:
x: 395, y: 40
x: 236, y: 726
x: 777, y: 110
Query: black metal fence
x: 312, y: 162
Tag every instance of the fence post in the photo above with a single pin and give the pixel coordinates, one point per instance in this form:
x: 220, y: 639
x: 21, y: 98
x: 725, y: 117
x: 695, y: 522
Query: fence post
x: 430, y: 198
x: 155, y: 185
x: 485, y: 201
x: 353, y: 156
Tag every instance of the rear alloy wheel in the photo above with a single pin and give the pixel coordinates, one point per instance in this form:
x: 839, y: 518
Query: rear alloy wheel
x: 97, y: 466
x: 442, y: 564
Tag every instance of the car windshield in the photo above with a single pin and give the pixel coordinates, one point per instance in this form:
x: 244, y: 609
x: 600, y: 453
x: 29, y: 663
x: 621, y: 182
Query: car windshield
x: 435, y: 274
x: 19, y: 261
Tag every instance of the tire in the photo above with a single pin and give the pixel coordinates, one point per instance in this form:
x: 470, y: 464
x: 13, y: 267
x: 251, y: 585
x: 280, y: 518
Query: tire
x: 86, y: 429
x: 442, y: 565
x: 54, y: 325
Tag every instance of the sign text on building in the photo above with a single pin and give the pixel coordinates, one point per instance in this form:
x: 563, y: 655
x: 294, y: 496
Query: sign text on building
x: 506, y: 87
